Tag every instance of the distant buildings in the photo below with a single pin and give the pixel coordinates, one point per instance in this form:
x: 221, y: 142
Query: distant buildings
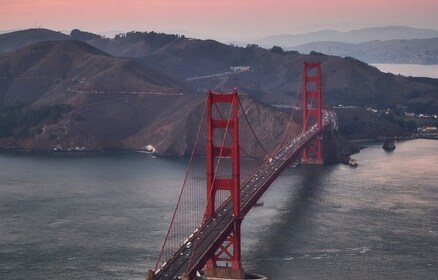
x: 427, y: 116
x: 428, y: 129
x: 239, y: 68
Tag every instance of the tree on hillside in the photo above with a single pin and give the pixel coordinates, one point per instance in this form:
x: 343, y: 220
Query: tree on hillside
x: 277, y: 49
x: 83, y: 36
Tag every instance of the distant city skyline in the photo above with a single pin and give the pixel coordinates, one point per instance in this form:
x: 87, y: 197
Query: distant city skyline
x: 224, y: 20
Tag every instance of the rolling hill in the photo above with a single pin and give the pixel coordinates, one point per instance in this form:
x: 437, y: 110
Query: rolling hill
x: 53, y: 71
x: 272, y: 77
x: 14, y: 40
x: 147, y: 89
x: 68, y: 95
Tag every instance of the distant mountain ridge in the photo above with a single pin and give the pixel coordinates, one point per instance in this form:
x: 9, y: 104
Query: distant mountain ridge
x: 69, y: 96
x: 352, y: 37
x: 273, y: 77
x: 49, y: 71
x: 413, y: 51
x: 393, y: 44
x: 18, y: 39
x: 132, y: 91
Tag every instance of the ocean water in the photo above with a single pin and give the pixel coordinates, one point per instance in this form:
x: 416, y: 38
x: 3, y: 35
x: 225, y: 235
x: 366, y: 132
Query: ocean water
x: 376, y: 221
x: 414, y: 70
x: 104, y: 216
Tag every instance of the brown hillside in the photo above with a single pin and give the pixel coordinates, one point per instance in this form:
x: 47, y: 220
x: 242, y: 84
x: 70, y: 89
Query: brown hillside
x: 273, y: 77
x: 358, y: 123
x: 18, y: 39
x: 58, y: 71
x: 175, y: 134
x: 67, y: 95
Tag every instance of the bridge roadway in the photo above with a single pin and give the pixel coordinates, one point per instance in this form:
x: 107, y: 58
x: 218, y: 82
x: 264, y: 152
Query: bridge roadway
x: 207, y: 239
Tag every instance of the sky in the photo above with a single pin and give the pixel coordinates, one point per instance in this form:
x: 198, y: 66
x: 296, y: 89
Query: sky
x: 223, y: 20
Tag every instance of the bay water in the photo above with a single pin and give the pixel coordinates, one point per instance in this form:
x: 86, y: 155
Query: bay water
x: 414, y: 70
x: 105, y: 215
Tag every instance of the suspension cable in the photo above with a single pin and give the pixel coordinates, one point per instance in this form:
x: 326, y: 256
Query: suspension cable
x: 289, y: 123
x: 183, y: 186
x: 252, y: 130
x: 231, y: 133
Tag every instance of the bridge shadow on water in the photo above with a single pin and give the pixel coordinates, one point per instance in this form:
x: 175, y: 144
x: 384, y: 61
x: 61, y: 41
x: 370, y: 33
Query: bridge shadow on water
x: 288, y: 229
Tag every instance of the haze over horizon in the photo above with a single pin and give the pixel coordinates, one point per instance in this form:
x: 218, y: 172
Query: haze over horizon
x: 220, y: 20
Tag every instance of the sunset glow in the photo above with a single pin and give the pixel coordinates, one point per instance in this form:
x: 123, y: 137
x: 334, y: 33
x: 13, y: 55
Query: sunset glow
x: 222, y: 20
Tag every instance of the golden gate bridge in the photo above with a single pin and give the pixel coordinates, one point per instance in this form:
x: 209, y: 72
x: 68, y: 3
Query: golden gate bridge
x: 205, y: 230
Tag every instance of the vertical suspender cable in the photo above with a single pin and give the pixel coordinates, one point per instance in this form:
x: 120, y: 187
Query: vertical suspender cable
x: 182, y: 187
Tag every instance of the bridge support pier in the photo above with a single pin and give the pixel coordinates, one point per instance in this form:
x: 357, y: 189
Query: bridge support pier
x: 224, y: 273
x: 150, y: 275
x: 312, y: 154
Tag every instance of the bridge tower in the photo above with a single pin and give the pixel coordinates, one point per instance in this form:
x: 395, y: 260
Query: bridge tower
x: 312, y: 111
x: 229, y: 253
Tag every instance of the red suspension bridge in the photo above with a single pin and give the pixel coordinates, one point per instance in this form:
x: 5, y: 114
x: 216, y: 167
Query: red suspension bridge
x: 204, y: 232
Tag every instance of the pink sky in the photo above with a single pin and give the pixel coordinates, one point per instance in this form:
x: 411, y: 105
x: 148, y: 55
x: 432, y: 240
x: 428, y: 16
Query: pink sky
x: 221, y: 20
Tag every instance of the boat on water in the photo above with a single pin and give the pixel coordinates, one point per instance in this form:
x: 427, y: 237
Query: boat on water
x: 259, y: 204
x: 352, y: 162
x: 389, y: 145
x: 349, y: 161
